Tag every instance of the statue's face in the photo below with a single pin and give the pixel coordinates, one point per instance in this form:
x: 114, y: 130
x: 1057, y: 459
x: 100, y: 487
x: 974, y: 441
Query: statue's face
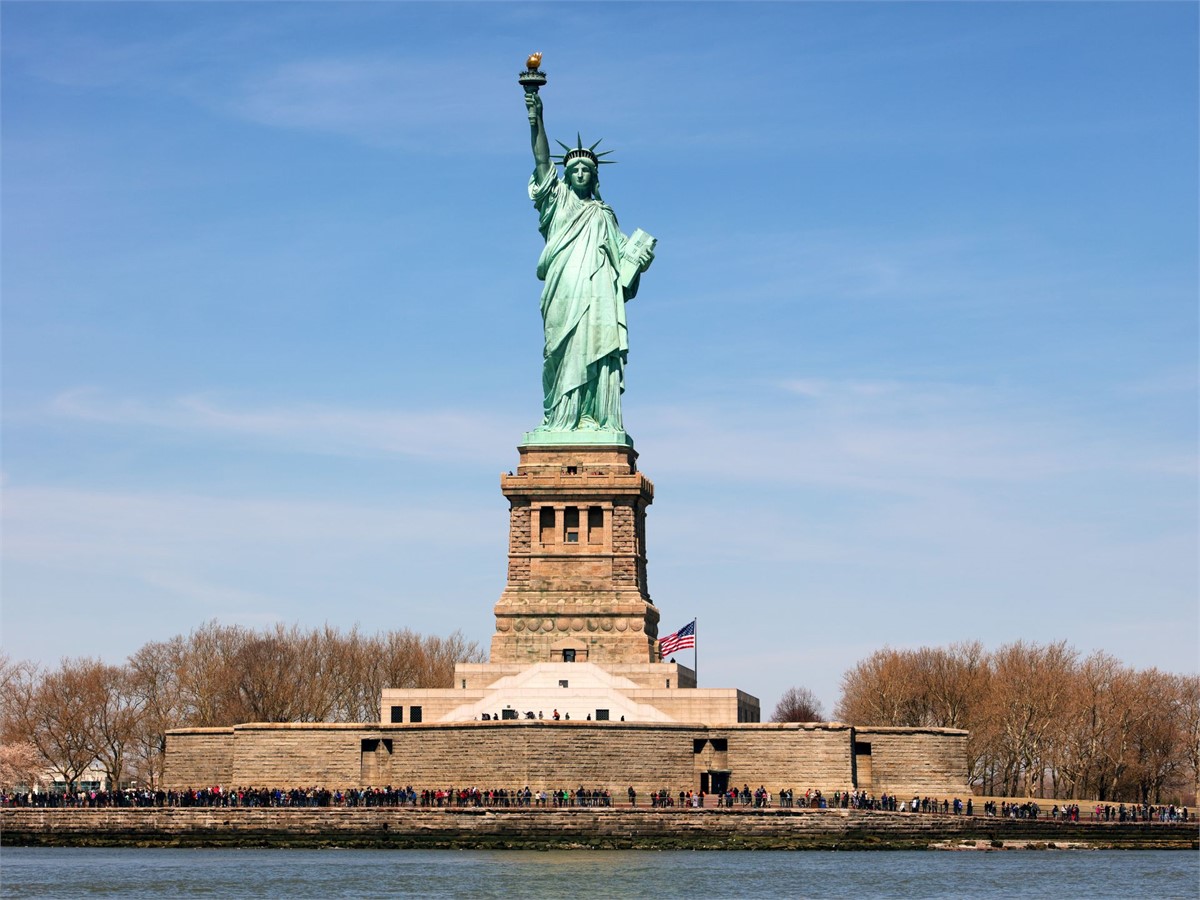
x: 581, y: 178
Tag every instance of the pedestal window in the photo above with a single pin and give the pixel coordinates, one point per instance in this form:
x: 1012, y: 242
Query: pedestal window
x: 595, y: 525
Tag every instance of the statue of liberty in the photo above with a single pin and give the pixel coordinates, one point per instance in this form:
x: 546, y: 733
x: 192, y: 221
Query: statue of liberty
x: 590, y: 270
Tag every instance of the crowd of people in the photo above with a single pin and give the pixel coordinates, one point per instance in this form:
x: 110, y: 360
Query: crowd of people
x: 580, y: 797
x: 863, y: 800
x: 1133, y: 813
x: 1027, y: 810
x: 315, y: 797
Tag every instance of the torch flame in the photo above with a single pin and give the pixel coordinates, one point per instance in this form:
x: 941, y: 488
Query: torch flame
x: 535, y: 60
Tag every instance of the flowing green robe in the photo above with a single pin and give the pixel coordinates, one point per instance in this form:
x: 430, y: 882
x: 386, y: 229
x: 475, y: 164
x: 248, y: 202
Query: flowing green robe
x: 583, y: 309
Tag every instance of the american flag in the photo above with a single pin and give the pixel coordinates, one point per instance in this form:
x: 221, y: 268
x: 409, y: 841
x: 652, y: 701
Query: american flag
x: 684, y: 638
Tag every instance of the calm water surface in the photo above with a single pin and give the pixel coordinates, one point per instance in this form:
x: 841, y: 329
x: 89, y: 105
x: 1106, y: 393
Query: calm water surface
x: 64, y: 872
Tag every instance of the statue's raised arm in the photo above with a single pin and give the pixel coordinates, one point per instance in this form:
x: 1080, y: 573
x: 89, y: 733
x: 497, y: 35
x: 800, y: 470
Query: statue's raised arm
x: 537, y: 136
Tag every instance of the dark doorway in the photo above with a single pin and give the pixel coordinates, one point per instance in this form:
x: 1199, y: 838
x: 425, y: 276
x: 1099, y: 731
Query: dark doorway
x: 718, y: 781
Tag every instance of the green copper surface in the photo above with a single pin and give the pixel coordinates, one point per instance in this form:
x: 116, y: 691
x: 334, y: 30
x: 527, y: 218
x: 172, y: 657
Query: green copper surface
x: 591, y: 270
x: 599, y: 437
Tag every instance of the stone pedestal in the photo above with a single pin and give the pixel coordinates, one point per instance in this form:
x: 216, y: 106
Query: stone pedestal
x: 576, y: 559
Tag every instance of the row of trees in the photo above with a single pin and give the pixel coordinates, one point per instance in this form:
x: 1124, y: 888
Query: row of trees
x: 87, y: 710
x: 1043, y: 721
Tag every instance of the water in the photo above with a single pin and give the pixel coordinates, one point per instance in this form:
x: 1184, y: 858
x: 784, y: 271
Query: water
x: 128, y: 873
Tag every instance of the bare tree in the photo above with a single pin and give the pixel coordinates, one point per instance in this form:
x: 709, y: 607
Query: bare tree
x: 271, y: 678
x: 1039, y: 720
x: 359, y: 679
x: 55, y: 711
x: 1158, y: 740
x: 881, y: 690
x: 439, y: 656
x: 1028, y: 699
x: 116, y: 719
x: 154, y: 673
x: 16, y: 680
x: 12, y: 671
x: 951, y: 680
x: 798, y: 704
x: 208, y: 674
x: 1188, y: 691
x: 405, y: 659
x: 1096, y: 727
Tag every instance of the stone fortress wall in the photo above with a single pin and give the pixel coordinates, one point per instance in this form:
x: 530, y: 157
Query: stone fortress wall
x: 549, y: 755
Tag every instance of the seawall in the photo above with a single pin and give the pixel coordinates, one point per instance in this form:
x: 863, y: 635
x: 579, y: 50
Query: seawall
x: 621, y: 828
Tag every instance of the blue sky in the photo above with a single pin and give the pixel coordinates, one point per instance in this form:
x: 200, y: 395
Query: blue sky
x: 916, y: 363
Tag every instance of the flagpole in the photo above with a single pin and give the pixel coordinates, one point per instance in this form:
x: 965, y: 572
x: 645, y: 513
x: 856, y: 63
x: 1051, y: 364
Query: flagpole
x: 696, y: 650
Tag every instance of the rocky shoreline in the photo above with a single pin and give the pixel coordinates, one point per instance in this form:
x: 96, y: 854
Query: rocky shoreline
x: 546, y: 829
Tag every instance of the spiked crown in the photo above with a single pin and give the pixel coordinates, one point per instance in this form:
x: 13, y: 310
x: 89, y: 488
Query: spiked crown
x: 587, y: 154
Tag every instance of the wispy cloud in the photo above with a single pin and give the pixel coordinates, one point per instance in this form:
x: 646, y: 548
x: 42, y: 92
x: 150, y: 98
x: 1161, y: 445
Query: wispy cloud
x: 174, y: 559
x: 242, y: 66
x: 441, y: 434
x: 89, y: 528
x: 898, y: 496
x: 1180, y: 380
x: 382, y: 100
x: 932, y: 270
x: 881, y: 435
x: 884, y: 436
